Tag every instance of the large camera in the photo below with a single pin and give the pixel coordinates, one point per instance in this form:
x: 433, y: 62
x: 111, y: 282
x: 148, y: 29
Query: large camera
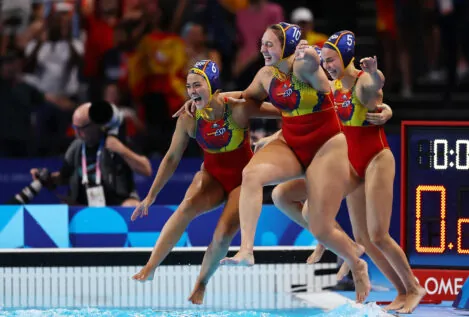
x: 107, y: 115
x: 44, y: 179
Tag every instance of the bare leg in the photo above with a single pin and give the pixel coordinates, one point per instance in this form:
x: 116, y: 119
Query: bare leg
x: 344, y: 268
x: 318, y: 252
x: 379, y: 193
x: 204, y: 194
x: 326, y: 180
x: 274, y: 163
x: 356, y: 204
x: 289, y: 198
x: 226, y: 229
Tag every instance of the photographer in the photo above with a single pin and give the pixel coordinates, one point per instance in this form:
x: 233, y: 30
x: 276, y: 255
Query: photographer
x: 98, y: 166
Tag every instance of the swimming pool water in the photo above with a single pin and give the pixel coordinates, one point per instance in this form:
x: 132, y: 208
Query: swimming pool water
x: 95, y: 312
x: 348, y: 310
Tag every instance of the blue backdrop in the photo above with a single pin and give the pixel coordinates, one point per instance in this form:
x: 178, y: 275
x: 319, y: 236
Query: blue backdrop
x: 60, y: 226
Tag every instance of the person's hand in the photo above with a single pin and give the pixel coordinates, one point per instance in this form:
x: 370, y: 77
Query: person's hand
x: 113, y: 144
x: 369, y: 64
x: 34, y: 173
x: 300, y: 49
x: 45, y: 177
x: 380, y: 117
x: 142, y: 208
x: 188, y: 107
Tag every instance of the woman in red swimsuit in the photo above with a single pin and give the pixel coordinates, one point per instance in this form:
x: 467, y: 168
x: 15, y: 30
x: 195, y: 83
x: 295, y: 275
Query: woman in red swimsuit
x: 312, y: 145
x: 221, y: 129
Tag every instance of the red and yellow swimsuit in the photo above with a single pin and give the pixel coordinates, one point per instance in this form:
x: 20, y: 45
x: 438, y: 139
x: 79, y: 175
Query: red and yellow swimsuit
x: 364, y: 140
x: 308, y: 116
x: 226, y: 146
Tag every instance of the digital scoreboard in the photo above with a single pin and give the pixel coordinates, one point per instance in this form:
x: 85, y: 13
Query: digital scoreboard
x: 435, y: 204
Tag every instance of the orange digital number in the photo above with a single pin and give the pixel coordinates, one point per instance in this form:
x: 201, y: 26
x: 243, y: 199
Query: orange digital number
x: 461, y: 221
x: 418, y: 211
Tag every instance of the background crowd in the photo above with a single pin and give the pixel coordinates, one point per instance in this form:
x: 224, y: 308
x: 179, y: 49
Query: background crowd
x: 55, y: 55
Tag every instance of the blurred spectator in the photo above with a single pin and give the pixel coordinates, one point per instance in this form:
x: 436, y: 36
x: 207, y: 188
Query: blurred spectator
x: 432, y: 41
x: 196, y: 45
x: 35, y: 28
x: 454, y: 24
x: 219, y: 20
x: 55, y: 58
x: 387, y: 34
x: 53, y: 62
x: 157, y: 79
x: 98, y: 19
x: 19, y: 101
x: 14, y: 21
x: 251, y: 23
x: 407, y: 18
x: 107, y: 178
x: 114, y: 64
x: 304, y: 18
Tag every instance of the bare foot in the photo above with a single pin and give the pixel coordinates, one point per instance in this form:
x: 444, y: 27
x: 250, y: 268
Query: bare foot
x: 197, y: 295
x: 146, y: 274
x: 361, y: 280
x: 412, y: 300
x: 397, y: 303
x: 240, y: 259
x: 316, y: 255
x: 344, y: 268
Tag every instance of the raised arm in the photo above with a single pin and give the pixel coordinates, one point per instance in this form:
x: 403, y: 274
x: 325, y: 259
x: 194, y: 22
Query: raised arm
x: 306, y: 67
x: 307, y: 59
x: 370, y: 83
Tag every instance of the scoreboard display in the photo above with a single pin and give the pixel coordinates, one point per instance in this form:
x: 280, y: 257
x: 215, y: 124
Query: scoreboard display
x: 435, y: 204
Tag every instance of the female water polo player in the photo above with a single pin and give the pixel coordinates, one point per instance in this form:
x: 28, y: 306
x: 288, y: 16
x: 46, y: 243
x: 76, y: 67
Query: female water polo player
x: 312, y: 145
x: 221, y: 129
